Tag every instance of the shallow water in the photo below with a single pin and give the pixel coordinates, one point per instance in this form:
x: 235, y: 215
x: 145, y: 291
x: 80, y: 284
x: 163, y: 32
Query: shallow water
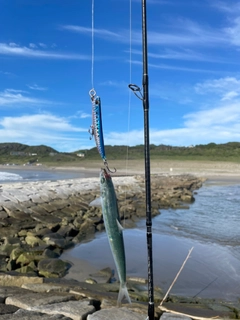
x: 14, y: 175
x: 211, y: 226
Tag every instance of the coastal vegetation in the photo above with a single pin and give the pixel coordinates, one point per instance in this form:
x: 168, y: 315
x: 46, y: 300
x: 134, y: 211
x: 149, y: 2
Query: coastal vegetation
x: 17, y: 153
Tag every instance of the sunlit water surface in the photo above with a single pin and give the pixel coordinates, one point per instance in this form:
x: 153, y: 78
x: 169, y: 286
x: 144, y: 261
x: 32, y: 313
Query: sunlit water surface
x: 211, y: 226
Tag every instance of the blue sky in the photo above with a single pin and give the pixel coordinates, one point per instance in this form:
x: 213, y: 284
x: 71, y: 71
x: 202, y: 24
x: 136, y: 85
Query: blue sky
x: 46, y: 71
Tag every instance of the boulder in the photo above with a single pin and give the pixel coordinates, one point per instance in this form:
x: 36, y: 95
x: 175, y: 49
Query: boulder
x: 53, y: 268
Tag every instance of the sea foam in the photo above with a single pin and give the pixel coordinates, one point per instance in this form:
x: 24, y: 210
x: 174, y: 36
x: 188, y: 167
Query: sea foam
x: 7, y: 176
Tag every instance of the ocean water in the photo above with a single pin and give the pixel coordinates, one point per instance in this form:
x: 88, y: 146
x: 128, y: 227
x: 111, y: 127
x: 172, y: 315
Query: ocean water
x: 211, y: 225
x: 13, y: 175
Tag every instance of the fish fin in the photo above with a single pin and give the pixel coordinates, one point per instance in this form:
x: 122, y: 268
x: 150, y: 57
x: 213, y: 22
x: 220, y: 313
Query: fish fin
x: 96, y: 202
x: 123, y: 292
x: 120, y: 227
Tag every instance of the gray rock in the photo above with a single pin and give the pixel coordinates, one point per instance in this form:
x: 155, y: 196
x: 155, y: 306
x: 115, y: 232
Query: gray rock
x: 78, y: 222
x: 14, y: 279
x: 55, y: 239
x: 46, y: 287
x: 33, y: 241
x: 10, y: 291
x: 50, y: 254
x: 29, y: 269
x: 171, y: 316
x: 27, y: 257
x: 6, y: 249
x: 7, y: 309
x: 31, y: 299
x: 19, y: 215
x: 46, y: 219
x: 30, y: 315
x: 3, y: 214
x: 68, y: 231
x: 76, y: 310
x: 102, y: 276
x: 52, y: 268
x: 116, y: 314
x: 8, y: 231
x: 16, y: 253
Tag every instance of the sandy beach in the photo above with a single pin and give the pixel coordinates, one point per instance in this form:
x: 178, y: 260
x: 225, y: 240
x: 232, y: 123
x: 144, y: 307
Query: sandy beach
x: 207, y: 169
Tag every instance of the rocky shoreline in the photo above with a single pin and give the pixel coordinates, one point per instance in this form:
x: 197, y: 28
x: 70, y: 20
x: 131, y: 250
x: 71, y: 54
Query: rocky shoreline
x: 39, y: 220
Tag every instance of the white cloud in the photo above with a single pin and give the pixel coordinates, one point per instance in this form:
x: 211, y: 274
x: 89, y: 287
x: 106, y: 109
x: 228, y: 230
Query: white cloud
x: 117, y: 84
x: 45, y: 129
x: 36, y: 87
x: 230, y: 95
x: 13, y: 44
x: 6, y: 73
x: 232, y: 10
x: 233, y: 7
x: 33, y: 45
x: 12, y: 97
x: 82, y: 115
x: 220, y: 124
x: 233, y: 32
x: 7, y: 49
x: 184, y: 54
x: 227, y: 88
x: 100, y: 32
x: 181, y: 32
x: 43, y: 45
x: 186, y: 32
x: 226, y: 115
x: 85, y: 115
x: 38, y: 122
x: 172, y: 67
x: 15, y: 91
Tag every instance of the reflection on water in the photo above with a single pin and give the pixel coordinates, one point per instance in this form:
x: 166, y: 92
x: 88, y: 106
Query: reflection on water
x: 213, y: 217
x: 211, y: 226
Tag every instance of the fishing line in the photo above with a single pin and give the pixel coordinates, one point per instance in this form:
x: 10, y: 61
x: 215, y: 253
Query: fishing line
x: 129, y: 99
x: 96, y: 129
x: 130, y: 80
x: 92, y: 67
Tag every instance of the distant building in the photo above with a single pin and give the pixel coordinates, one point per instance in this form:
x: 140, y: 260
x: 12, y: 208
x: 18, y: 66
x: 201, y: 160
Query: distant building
x: 22, y: 153
x: 81, y: 155
x: 17, y: 153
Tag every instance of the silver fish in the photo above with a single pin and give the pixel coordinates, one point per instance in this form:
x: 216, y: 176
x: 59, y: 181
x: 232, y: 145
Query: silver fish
x: 114, y: 231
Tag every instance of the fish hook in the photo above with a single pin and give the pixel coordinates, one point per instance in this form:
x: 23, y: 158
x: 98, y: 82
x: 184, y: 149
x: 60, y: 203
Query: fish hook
x: 107, y: 167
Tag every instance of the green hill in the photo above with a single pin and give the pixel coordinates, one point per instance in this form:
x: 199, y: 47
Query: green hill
x: 216, y: 152
x: 6, y: 148
x: 17, y: 153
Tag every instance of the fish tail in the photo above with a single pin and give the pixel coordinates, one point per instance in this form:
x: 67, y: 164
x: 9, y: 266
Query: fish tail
x: 123, y: 292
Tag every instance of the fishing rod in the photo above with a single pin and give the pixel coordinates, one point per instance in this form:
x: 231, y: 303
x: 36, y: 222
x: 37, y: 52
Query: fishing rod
x: 145, y: 99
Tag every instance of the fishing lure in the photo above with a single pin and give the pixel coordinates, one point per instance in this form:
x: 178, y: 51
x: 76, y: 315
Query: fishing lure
x: 96, y: 129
